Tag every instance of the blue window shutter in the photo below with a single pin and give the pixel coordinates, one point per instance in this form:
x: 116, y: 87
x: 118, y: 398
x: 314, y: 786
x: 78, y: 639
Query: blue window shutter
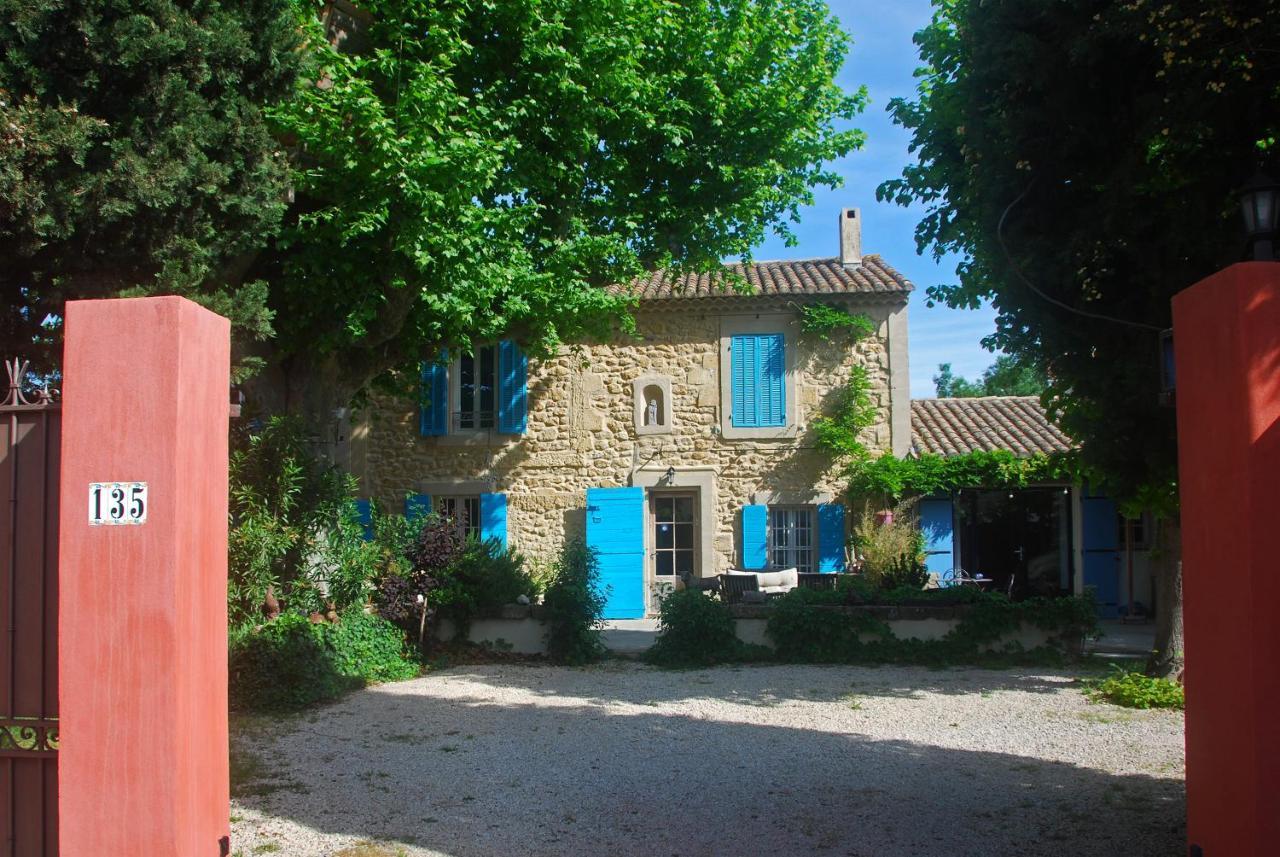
x: 417, y: 506
x: 364, y: 514
x: 757, y: 366
x: 433, y: 414
x: 755, y: 536
x: 937, y: 526
x: 830, y: 537
x: 493, y: 518
x: 513, y: 388
x: 1101, y: 544
x: 615, y: 530
x: 773, y: 405
x: 742, y: 361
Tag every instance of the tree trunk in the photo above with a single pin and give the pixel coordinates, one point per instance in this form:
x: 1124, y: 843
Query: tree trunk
x: 317, y: 389
x: 1167, y: 657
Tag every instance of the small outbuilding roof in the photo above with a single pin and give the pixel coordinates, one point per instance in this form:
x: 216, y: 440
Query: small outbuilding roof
x: 958, y: 426
x: 785, y: 278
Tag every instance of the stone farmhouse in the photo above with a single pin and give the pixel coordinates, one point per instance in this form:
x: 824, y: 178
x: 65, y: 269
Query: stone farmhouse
x: 685, y: 450
x: 689, y: 450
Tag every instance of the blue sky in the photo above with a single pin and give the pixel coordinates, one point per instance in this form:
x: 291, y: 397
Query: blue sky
x: 883, y: 57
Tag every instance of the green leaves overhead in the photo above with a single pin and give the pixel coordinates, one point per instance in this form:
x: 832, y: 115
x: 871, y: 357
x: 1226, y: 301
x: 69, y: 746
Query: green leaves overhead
x: 486, y: 168
x: 134, y: 155
x: 1083, y: 157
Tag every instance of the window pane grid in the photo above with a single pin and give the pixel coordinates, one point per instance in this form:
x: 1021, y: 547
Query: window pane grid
x: 673, y: 535
x: 463, y: 511
x: 477, y: 383
x: 791, y: 538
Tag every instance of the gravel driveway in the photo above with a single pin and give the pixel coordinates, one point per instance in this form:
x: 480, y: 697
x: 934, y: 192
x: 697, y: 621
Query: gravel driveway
x: 623, y: 759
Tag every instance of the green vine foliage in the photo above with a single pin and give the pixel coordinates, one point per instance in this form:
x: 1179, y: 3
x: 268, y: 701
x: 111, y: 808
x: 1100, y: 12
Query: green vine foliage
x: 1132, y: 689
x: 840, y: 434
x: 829, y: 322
x: 291, y: 662
x: 888, y: 476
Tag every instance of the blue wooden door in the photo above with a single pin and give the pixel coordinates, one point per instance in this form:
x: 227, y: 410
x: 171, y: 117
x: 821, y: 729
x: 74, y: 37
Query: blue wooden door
x: 938, y: 528
x: 615, y: 530
x: 1100, y: 532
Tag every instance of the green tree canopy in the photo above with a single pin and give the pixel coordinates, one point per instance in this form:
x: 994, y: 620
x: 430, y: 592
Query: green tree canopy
x: 1009, y: 375
x: 486, y: 169
x: 1083, y: 156
x: 134, y: 153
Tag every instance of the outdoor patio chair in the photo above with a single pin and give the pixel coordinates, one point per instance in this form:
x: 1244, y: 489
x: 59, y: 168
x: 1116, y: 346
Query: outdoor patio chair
x: 813, y: 580
x: 700, y: 584
x: 732, y: 586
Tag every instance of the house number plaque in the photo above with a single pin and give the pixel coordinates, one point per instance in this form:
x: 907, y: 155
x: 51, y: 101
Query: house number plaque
x: 117, y: 503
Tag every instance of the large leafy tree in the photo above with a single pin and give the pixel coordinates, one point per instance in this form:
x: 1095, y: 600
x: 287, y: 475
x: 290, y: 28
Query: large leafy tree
x: 134, y: 154
x: 472, y: 169
x: 1083, y: 156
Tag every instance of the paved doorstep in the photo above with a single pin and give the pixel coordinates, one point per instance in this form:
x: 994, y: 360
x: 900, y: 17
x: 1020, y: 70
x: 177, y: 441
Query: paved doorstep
x: 624, y: 759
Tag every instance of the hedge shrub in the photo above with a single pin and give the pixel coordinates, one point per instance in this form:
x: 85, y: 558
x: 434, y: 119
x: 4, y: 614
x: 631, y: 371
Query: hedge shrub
x: 694, y: 630
x: 574, y: 604
x: 290, y: 662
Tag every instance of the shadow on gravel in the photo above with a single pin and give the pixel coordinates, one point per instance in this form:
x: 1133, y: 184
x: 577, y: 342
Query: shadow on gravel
x: 549, y: 774
x: 767, y: 684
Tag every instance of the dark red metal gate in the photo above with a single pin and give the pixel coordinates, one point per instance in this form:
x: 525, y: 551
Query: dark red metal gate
x: 29, y: 467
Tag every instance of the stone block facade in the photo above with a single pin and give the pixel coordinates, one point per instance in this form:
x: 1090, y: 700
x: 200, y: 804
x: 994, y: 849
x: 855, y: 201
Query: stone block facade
x: 586, y: 427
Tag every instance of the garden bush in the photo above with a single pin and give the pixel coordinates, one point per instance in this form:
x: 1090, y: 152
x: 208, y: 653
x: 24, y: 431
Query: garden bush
x: 482, y: 578
x: 1133, y: 689
x: 294, y: 528
x: 805, y: 628
x: 694, y: 630
x: 574, y: 604
x: 444, y: 575
x: 891, y: 553
x: 291, y: 662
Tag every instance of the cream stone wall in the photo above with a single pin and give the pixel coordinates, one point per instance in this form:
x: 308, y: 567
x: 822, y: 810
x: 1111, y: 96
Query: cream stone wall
x: 582, y: 429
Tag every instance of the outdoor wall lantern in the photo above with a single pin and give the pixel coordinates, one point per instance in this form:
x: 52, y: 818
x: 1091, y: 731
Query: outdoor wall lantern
x: 1258, y: 203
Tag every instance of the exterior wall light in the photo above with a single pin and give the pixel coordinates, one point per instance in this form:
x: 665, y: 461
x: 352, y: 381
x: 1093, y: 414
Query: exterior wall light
x: 1258, y: 204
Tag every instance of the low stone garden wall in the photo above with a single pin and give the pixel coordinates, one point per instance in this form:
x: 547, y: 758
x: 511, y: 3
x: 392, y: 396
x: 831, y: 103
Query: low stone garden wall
x: 904, y: 622
x: 520, y: 629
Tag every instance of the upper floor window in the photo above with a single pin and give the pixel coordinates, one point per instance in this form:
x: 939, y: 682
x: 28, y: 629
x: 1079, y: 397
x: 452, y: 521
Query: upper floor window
x: 483, y: 390
x: 477, y: 388
x: 758, y: 379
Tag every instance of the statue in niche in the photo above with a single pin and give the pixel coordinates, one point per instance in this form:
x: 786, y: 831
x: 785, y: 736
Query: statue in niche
x: 651, y: 413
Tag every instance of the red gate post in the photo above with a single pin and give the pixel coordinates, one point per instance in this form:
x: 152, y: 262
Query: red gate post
x: 143, y: 576
x: 1227, y: 351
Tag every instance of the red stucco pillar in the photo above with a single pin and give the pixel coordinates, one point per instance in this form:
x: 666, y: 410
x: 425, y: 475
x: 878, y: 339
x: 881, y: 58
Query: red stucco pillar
x: 142, y: 649
x: 1227, y: 346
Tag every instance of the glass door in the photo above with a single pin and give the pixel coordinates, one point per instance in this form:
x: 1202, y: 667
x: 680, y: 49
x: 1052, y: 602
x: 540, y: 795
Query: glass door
x: 674, y: 535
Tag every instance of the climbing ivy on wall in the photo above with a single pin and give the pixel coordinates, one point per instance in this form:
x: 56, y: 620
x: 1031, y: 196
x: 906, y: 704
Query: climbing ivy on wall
x: 828, y: 322
x: 839, y: 433
x: 889, y: 476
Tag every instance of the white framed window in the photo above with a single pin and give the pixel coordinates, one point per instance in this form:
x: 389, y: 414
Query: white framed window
x: 675, y: 534
x: 477, y: 388
x: 463, y: 510
x: 792, y: 536
x: 758, y: 377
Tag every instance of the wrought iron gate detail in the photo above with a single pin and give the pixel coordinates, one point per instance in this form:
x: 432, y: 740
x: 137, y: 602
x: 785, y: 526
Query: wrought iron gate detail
x: 29, y: 470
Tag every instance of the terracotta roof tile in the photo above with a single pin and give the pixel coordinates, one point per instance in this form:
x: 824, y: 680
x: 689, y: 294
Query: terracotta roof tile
x: 958, y: 426
x: 788, y: 277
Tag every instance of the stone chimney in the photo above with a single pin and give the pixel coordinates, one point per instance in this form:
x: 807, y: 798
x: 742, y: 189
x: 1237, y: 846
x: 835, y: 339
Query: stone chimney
x: 850, y: 236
